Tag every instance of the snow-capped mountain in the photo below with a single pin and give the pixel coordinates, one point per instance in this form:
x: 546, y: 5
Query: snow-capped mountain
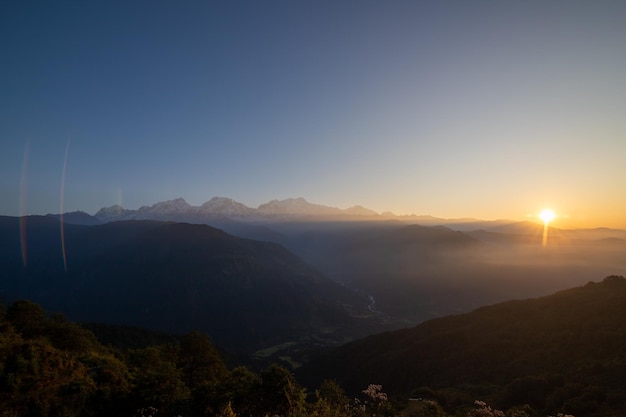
x: 114, y: 213
x: 257, y: 223
x: 296, y: 207
x: 176, y: 206
x: 227, y: 208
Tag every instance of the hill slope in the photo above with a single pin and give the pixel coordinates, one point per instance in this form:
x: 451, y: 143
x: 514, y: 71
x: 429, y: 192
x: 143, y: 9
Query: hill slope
x: 178, y: 277
x: 566, y: 351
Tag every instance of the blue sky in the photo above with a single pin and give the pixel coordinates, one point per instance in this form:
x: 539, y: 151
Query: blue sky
x: 482, y: 109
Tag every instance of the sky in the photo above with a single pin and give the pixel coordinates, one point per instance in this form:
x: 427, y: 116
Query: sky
x: 484, y: 109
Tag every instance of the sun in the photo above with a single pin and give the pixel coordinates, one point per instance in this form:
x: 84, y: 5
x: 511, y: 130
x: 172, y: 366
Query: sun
x: 547, y: 216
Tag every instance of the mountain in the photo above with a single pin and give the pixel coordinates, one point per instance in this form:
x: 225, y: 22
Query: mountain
x: 112, y: 213
x: 176, y: 277
x: 170, y: 207
x: 290, y: 209
x: 410, y: 272
x: 360, y: 211
x: 178, y: 210
x: 78, y: 217
x: 561, y: 353
x: 226, y: 207
x: 296, y: 207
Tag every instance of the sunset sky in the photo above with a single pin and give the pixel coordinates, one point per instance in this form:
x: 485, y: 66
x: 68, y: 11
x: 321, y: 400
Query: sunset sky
x: 485, y: 109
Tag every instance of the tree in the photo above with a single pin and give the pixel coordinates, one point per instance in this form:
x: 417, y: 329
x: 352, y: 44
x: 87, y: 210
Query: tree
x: 112, y: 384
x: 241, y: 389
x: 36, y: 379
x: 157, y: 381
x: 200, y: 361
x: 280, y: 393
x: 26, y: 317
x: 331, y: 400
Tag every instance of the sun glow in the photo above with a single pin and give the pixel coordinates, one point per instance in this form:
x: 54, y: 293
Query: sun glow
x: 547, y: 216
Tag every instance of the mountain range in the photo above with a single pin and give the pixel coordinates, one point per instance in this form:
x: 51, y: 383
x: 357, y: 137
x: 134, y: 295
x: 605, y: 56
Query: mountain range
x: 227, y: 207
x: 411, y: 268
x: 291, y: 209
x: 291, y: 278
x: 294, y: 275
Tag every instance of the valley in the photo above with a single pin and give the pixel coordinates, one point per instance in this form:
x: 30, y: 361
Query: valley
x: 359, y: 301
x: 290, y: 277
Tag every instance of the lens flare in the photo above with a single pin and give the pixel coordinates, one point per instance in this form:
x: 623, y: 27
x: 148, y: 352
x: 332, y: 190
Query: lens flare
x: 23, y: 245
x: 547, y: 216
x: 67, y: 150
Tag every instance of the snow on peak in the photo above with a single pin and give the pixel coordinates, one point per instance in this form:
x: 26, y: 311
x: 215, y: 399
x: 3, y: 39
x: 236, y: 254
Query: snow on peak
x: 225, y: 206
x: 114, y: 210
x: 179, y: 210
x: 178, y: 205
x: 296, y: 206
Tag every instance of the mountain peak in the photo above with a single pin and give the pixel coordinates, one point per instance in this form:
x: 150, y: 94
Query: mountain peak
x: 178, y: 205
x: 360, y: 211
x: 114, y: 211
x: 178, y: 209
x: 296, y: 206
x: 226, y: 206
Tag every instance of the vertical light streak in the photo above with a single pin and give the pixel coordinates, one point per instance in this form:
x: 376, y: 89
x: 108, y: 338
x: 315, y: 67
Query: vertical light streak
x: 23, y: 244
x: 67, y: 150
x: 547, y: 216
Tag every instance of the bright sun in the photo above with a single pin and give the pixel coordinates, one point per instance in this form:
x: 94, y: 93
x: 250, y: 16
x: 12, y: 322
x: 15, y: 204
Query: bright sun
x: 547, y: 216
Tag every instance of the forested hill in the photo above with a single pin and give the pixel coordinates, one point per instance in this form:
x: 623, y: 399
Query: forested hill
x: 177, y: 277
x: 566, y: 351
x: 51, y: 367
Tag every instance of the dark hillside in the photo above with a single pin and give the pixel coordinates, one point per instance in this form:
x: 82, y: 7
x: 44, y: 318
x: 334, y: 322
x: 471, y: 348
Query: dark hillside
x: 566, y: 352
x: 178, y: 277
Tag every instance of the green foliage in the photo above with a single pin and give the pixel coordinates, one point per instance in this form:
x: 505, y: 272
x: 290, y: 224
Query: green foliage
x: 331, y: 401
x: 241, y: 389
x: 26, y: 317
x: 39, y: 380
x: 280, y: 393
x: 50, y: 367
x: 200, y: 361
x: 111, y: 378
x: 156, y: 379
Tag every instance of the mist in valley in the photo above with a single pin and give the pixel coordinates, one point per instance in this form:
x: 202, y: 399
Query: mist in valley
x: 415, y: 272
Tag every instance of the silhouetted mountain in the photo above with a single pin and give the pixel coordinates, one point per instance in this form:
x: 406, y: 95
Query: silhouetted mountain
x: 78, y: 217
x: 178, y: 277
x: 563, y: 352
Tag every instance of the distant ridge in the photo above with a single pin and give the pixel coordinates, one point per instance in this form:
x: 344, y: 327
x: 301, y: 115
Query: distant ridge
x: 290, y: 209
